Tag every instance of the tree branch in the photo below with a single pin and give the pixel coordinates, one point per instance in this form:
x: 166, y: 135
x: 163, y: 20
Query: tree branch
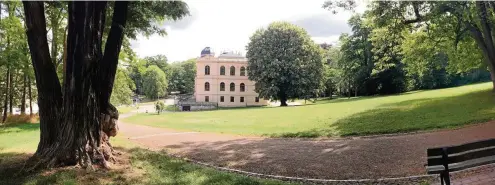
x: 49, y: 90
x: 419, y: 17
x: 108, y: 64
x: 46, y: 76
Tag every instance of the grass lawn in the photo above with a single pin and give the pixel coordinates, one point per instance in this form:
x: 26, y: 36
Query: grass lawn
x: 412, y: 111
x: 125, y: 109
x: 135, y: 165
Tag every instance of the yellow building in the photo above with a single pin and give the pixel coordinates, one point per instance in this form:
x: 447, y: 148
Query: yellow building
x: 223, y: 80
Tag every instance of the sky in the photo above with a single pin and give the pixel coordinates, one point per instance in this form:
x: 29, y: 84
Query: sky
x: 227, y: 25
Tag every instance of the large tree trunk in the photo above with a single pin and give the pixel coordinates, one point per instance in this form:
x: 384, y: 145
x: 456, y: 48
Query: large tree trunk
x: 283, y: 100
x: 64, y: 54
x: 484, y: 39
x: 6, y: 98
x: 23, y: 98
x: 75, y: 127
x: 356, y: 91
x: 30, y: 97
x: 54, y: 25
x: 11, y: 93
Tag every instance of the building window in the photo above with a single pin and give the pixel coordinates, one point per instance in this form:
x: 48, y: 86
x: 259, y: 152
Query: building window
x: 207, y: 86
x: 243, y: 87
x: 207, y: 70
x: 207, y: 99
x: 232, y: 87
x: 242, y: 99
x: 221, y: 98
x: 231, y: 99
x: 257, y: 99
x: 222, y: 86
x: 222, y: 70
x: 243, y: 71
x: 232, y: 71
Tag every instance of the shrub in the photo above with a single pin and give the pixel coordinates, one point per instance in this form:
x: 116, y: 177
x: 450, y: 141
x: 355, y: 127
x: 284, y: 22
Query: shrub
x: 159, y: 106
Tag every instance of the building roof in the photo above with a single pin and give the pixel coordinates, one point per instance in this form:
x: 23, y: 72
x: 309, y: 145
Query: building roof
x: 207, y: 51
x: 230, y: 54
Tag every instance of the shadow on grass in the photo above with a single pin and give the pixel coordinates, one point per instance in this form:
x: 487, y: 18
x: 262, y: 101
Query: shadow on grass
x: 19, y: 127
x: 134, y: 166
x: 11, y: 172
x: 421, y: 114
x: 411, y: 115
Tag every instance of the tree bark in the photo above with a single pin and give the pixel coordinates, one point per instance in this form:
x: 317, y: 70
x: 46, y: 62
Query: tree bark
x: 6, y: 99
x: 356, y: 91
x: 30, y: 98
x: 23, y: 98
x: 283, y: 100
x: 64, y: 55
x: 484, y: 39
x: 54, y: 24
x: 75, y: 126
x: 11, y: 93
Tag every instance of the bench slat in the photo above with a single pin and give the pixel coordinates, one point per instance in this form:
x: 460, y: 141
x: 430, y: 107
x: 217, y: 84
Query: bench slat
x: 461, y: 148
x: 463, y: 156
x: 462, y: 165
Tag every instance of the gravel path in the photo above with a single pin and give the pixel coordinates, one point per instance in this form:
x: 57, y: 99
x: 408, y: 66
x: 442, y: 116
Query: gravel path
x: 349, y: 158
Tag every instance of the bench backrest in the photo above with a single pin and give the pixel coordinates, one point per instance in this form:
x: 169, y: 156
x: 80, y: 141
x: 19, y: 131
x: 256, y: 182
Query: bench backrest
x: 461, y: 156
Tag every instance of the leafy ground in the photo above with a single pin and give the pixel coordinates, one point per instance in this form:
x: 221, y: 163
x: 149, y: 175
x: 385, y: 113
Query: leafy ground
x: 420, y: 110
x: 134, y: 166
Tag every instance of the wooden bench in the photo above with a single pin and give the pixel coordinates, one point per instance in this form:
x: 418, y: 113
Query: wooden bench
x: 444, y: 160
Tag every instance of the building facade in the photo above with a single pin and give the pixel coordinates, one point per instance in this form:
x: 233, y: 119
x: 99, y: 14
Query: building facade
x: 223, y: 80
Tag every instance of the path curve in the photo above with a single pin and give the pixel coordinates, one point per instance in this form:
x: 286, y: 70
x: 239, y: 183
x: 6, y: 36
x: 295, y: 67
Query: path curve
x: 350, y: 158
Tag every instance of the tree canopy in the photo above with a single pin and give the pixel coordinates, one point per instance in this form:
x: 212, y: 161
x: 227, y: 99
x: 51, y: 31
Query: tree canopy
x: 154, y: 82
x: 397, y: 46
x: 284, y: 62
x: 458, y: 29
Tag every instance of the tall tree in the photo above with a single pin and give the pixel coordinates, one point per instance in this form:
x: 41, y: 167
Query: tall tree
x: 160, y: 61
x: 284, y: 62
x: 154, y: 82
x: 462, y: 18
x: 75, y: 126
x: 122, y: 89
x: 181, y: 76
x: 356, y: 63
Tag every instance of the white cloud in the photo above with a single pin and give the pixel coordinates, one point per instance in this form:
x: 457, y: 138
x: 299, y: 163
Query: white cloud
x: 227, y: 25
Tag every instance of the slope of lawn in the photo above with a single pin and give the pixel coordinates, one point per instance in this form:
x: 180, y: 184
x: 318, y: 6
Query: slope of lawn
x: 135, y: 165
x: 420, y: 110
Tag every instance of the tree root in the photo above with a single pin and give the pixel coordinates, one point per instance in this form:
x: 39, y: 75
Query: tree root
x: 99, y: 155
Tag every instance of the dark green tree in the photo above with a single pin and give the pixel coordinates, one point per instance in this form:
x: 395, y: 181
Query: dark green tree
x: 76, y: 117
x: 154, y: 83
x: 284, y: 62
x: 122, y: 89
x: 181, y: 78
x: 160, y: 61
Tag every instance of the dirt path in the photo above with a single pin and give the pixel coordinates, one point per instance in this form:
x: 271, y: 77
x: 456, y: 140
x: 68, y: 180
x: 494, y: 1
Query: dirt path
x: 357, y: 158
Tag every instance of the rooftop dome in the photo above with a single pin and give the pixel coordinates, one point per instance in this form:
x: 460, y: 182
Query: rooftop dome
x: 206, y: 51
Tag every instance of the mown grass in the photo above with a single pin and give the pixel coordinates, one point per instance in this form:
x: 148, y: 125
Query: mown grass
x: 412, y: 111
x: 135, y: 166
x: 125, y: 109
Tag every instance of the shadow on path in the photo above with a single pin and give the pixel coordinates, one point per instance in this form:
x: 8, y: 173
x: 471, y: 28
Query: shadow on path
x: 354, y: 158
